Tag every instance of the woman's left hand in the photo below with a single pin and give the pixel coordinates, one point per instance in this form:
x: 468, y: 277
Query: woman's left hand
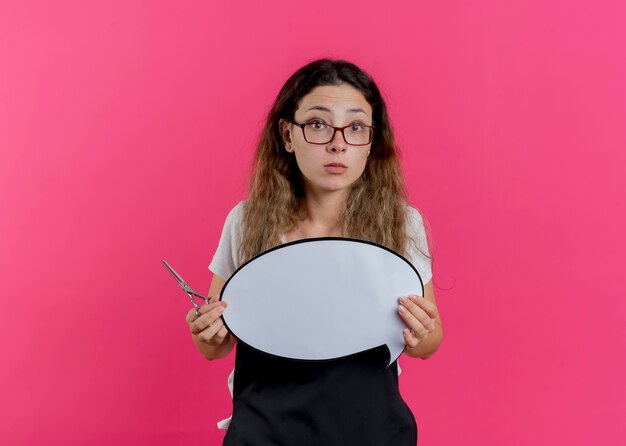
x: 419, y: 315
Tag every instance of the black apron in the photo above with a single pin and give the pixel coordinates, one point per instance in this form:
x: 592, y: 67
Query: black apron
x: 353, y: 400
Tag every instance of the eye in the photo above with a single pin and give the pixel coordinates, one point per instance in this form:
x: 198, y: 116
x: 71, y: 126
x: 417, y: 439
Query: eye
x: 317, y: 124
x: 356, y: 126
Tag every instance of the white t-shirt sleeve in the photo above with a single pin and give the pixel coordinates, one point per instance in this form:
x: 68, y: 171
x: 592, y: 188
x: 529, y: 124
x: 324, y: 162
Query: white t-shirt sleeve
x: 225, y: 261
x: 416, y: 231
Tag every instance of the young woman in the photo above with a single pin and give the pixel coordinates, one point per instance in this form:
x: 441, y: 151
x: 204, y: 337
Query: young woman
x: 326, y: 165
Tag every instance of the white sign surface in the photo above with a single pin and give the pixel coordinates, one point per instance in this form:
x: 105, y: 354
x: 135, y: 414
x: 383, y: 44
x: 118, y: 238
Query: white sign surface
x: 319, y: 299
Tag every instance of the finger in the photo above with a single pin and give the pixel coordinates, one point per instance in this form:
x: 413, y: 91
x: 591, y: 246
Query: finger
x: 414, y: 308
x: 429, y: 307
x: 208, y: 334
x: 413, y: 323
x: 208, y: 307
x: 409, y: 339
x: 204, y: 309
x: 191, y: 316
x: 196, y: 312
x: 221, y: 333
x: 427, y: 321
x: 207, y: 319
x: 199, y: 325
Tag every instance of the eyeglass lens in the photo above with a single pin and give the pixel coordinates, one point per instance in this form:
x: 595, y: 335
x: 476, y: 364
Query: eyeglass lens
x: 319, y: 133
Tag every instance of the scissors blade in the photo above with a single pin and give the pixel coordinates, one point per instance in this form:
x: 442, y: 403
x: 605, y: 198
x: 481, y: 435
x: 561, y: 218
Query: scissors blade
x: 184, y: 285
x: 173, y: 273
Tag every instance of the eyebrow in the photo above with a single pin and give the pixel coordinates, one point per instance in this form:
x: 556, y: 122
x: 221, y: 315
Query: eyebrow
x: 319, y: 107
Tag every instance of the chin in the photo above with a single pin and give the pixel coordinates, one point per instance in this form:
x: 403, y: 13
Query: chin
x: 331, y: 184
x: 338, y: 186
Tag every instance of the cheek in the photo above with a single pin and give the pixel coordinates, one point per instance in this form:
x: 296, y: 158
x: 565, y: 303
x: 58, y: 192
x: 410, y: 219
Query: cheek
x: 360, y: 162
x: 305, y: 161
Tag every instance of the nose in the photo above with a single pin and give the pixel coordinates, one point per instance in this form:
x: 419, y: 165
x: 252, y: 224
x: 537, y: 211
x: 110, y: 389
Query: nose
x: 337, y: 144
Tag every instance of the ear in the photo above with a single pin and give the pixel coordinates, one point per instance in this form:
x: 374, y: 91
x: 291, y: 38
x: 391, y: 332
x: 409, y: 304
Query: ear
x: 285, y: 132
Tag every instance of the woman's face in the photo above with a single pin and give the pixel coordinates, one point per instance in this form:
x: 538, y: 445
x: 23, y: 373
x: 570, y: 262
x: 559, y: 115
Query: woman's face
x: 334, y: 166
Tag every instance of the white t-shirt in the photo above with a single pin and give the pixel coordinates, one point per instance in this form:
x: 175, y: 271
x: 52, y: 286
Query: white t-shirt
x: 225, y: 260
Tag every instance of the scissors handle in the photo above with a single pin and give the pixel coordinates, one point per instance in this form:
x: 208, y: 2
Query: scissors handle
x: 193, y: 301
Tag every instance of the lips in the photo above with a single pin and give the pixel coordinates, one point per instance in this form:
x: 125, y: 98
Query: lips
x: 335, y: 168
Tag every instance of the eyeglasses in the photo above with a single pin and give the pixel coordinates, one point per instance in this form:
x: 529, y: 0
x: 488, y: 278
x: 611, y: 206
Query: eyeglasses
x: 318, y: 132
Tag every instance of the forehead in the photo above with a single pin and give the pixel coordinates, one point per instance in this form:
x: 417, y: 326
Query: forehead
x: 338, y: 98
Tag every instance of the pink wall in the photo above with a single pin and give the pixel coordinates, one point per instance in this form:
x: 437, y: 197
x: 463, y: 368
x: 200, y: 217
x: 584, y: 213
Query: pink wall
x: 126, y: 129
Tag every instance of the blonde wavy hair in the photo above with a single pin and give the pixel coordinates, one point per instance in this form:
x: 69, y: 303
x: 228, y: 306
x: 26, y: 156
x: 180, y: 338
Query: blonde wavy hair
x: 376, y: 208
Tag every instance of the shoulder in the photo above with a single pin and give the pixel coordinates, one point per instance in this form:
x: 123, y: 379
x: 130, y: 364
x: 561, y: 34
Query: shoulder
x: 418, y: 252
x: 233, y: 224
x: 235, y: 215
x: 412, y: 211
x: 415, y: 221
x: 237, y: 210
x: 225, y: 259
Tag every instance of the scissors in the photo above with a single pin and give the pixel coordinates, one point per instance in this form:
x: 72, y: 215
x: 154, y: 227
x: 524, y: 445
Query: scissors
x: 186, y: 288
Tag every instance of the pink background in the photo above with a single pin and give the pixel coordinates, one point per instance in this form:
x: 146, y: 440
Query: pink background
x: 126, y: 132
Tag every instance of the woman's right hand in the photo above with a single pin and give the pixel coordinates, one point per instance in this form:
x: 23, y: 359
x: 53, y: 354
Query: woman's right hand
x: 209, y: 327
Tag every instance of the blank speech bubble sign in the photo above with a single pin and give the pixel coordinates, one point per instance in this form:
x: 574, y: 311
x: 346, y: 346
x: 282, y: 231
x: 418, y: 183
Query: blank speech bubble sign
x: 320, y: 299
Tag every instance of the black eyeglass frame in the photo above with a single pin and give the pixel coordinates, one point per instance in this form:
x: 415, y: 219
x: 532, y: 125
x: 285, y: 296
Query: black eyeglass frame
x: 335, y: 129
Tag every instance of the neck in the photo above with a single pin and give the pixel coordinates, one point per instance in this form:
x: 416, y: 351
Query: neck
x: 324, y: 209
